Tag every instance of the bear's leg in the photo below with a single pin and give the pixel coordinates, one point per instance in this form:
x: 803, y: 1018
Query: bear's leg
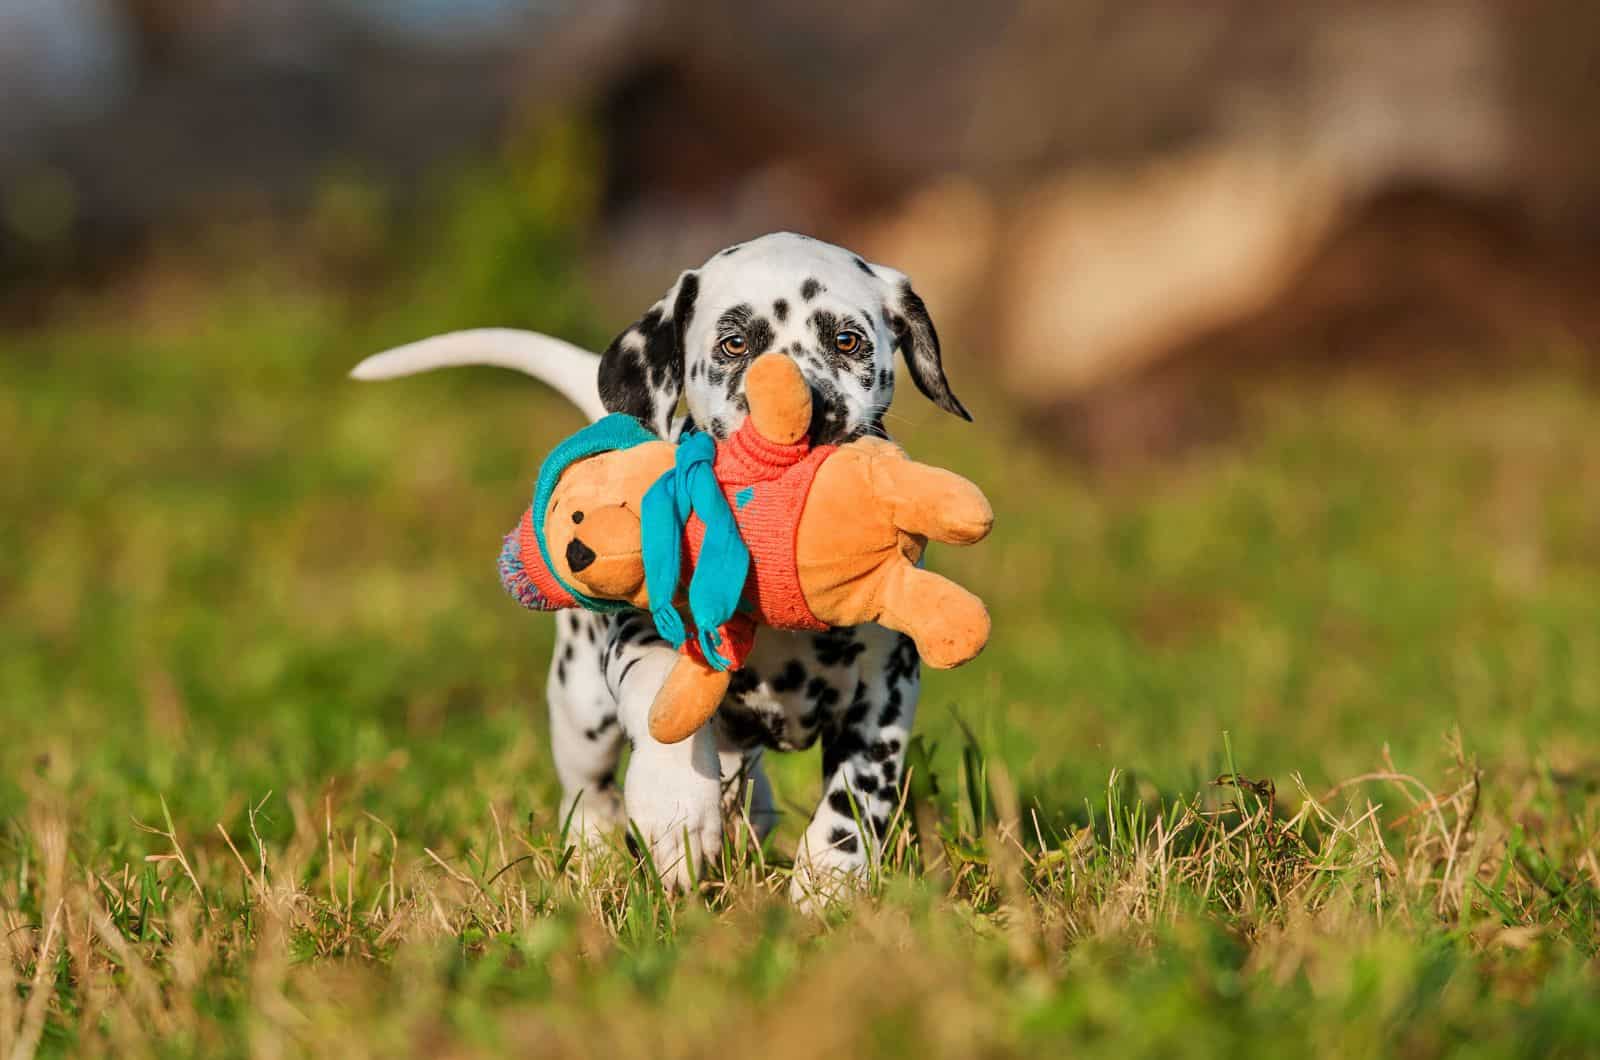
x: 948, y: 623
x: 932, y: 502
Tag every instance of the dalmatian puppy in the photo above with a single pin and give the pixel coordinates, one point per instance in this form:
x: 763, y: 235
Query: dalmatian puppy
x: 682, y: 364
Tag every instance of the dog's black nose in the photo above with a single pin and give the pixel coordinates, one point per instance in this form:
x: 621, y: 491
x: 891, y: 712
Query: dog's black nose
x: 579, y: 555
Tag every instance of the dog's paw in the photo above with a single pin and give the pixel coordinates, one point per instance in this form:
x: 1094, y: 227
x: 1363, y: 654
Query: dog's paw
x: 680, y: 843
x: 830, y: 866
x: 592, y: 817
x: 677, y: 812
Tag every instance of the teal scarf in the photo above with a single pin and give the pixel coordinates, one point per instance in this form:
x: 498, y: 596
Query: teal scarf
x: 717, y: 583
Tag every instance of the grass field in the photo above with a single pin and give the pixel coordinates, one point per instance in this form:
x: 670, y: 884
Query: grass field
x: 274, y: 776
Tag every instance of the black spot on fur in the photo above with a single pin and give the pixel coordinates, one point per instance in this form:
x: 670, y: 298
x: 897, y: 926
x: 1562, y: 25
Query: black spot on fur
x: 742, y: 727
x: 864, y: 267
x: 829, y: 415
x: 891, y: 707
x: 844, y: 839
x: 823, y: 694
x: 623, y: 383
x: 844, y: 745
x: 780, y: 309
x: 641, y: 372
x: 607, y: 722
x: 683, y: 308
x: 839, y: 801
x: 837, y: 647
x: 759, y: 334
x: 825, y: 325
x: 661, y: 354
x: 811, y: 288
x: 903, y: 660
x: 808, y: 720
x: 792, y: 677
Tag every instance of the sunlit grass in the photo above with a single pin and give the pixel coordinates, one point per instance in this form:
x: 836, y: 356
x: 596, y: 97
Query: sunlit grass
x: 274, y: 773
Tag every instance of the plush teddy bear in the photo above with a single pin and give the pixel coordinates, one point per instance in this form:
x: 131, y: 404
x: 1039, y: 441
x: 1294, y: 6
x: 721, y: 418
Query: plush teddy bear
x: 776, y: 531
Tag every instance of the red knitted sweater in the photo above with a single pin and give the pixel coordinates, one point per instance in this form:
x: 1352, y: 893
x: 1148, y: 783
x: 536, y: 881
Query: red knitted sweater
x: 766, y: 485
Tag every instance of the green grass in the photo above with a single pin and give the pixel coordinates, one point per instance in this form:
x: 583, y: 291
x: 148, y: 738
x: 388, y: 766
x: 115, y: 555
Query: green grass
x: 274, y: 773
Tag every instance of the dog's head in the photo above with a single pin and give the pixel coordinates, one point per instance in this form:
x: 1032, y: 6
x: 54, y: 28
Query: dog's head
x: 839, y: 317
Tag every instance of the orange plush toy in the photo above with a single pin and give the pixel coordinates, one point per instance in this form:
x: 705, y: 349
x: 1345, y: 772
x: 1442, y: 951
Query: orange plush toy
x: 776, y: 532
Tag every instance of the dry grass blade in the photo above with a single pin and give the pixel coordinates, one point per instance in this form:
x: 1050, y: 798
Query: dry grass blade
x: 41, y: 990
x: 170, y: 834
x: 10, y: 1004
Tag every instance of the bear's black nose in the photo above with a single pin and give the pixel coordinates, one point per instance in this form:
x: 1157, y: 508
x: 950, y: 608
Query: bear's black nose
x: 579, y: 555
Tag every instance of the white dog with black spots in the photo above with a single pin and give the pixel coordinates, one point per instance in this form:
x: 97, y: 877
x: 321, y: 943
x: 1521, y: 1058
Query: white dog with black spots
x: 841, y: 319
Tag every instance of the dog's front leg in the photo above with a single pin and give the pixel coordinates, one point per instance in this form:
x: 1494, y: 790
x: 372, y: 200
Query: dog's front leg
x: 584, y: 736
x: 863, y: 759
x: 672, y: 791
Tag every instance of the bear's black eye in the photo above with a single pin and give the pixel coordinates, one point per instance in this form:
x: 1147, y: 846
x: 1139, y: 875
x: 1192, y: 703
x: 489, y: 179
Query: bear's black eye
x: 577, y: 517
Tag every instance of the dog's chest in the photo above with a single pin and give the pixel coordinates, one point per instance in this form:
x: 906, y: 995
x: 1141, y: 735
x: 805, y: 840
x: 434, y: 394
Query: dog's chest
x: 790, y: 689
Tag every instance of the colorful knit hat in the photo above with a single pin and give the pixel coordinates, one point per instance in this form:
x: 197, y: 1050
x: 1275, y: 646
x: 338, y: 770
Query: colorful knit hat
x: 525, y: 567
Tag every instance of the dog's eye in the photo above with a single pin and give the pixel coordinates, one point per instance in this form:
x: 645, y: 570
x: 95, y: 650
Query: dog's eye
x: 735, y: 346
x: 847, y: 342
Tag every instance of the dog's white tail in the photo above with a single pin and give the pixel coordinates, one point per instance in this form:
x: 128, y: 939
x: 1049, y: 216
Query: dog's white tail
x: 572, y: 371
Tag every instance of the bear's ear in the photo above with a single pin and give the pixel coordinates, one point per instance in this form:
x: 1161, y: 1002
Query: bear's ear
x: 641, y: 372
x: 917, y: 340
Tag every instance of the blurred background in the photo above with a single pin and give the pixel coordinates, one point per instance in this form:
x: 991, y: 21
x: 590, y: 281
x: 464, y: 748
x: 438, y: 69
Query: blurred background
x: 1105, y: 201
x: 1278, y: 321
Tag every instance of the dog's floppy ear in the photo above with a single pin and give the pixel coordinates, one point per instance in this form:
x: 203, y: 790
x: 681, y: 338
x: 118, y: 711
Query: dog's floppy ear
x: 917, y: 340
x: 641, y: 372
